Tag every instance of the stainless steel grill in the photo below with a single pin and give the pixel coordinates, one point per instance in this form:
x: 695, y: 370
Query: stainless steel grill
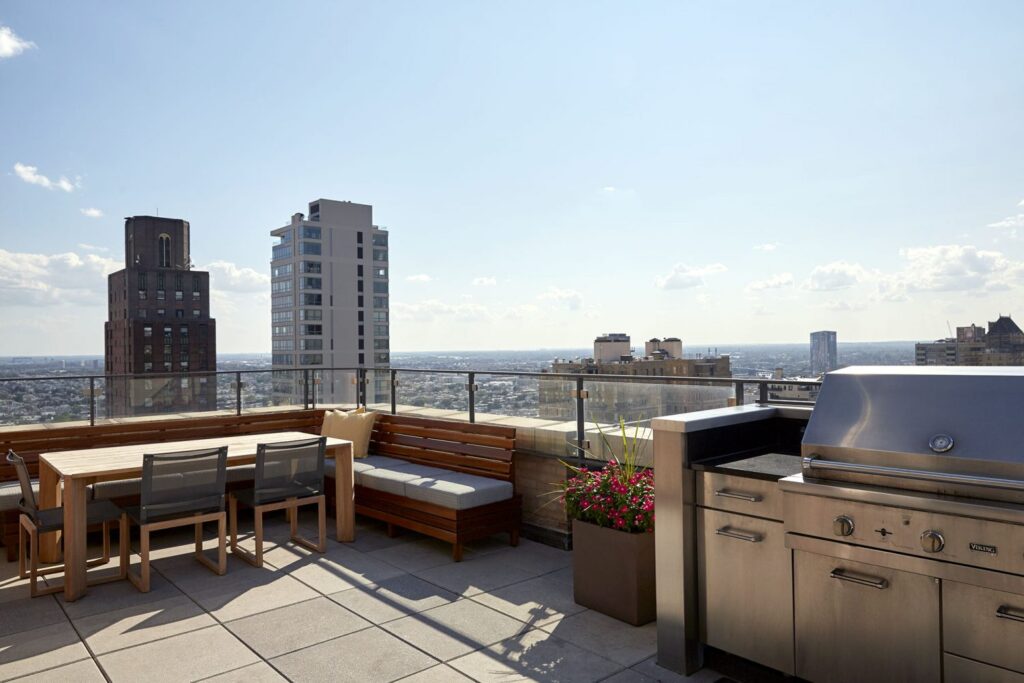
x: 907, y: 527
x: 953, y: 431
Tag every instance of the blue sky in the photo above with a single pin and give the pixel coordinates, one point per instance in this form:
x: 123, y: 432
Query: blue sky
x: 723, y: 172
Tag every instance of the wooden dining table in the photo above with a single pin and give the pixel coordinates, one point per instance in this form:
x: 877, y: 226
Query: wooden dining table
x: 64, y: 476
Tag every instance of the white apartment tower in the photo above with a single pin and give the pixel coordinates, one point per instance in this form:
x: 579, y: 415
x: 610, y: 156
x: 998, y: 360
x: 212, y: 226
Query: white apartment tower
x: 329, y: 300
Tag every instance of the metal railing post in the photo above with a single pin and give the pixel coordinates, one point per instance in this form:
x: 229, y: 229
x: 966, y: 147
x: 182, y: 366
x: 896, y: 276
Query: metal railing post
x: 238, y: 393
x: 739, y: 393
x: 305, y: 388
x: 394, y: 392
x: 92, y: 403
x: 471, y: 387
x: 581, y: 427
x: 361, y: 393
x: 762, y: 389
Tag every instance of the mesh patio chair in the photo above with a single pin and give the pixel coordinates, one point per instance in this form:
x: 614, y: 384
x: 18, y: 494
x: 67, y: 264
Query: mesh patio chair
x: 181, y: 489
x: 34, y: 521
x: 288, y: 476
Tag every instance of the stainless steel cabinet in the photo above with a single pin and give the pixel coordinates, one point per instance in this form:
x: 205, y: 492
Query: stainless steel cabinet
x: 984, y: 624
x: 747, y: 590
x: 858, y: 622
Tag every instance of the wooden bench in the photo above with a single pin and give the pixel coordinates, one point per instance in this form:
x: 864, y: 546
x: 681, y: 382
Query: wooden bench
x: 485, y: 451
x: 32, y: 440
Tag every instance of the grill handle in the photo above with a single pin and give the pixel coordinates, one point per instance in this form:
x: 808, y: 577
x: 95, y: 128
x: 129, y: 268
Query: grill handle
x: 749, y: 497
x: 741, y: 535
x: 814, y: 462
x: 1007, y: 612
x: 872, y: 583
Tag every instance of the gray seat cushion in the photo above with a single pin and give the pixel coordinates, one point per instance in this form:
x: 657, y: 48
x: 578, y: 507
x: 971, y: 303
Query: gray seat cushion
x: 10, y: 494
x: 457, y: 490
x: 393, y: 479
x: 364, y: 464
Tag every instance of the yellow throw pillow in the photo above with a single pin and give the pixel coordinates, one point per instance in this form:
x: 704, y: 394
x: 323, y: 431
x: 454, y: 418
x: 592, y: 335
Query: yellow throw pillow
x: 352, y: 426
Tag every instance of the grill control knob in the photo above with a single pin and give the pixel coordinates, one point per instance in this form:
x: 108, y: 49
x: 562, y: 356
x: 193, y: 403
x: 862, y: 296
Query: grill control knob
x: 932, y: 541
x: 842, y: 526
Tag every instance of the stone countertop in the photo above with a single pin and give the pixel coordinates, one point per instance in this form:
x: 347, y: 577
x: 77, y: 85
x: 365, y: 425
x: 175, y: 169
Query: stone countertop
x: 771, y: 466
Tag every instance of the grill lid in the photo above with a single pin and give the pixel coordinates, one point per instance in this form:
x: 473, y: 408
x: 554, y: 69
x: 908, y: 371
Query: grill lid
x: 967, y: 420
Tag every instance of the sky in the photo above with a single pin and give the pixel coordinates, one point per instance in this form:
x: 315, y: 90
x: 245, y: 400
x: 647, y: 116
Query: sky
x: 728, y: 172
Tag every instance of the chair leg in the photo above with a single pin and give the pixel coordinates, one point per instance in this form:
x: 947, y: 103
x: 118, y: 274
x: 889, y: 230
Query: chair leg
x: 144, y: 553
x: 513, y: 537
x: 233, y: 521
x: 106, y: 542
x: 222, y: 550
x: 258, y: 524
x: 199, y: 538
x: 124, y: 544
x: 457, y: 552
x: 322, y: 521
x: 22, y: 543
x: 33, y: 561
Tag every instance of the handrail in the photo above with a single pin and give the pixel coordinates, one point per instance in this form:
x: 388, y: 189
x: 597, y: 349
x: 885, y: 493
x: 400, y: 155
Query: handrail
x: 814, y: 462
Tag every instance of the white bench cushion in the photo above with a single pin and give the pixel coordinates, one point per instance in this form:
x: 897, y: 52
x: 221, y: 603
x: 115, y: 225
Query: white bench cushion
x: 458, y: 491
x: 393, y: 479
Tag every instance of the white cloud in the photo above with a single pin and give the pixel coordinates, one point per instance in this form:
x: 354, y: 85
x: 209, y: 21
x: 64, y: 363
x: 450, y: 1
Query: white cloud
x: 432, y: 309
x: 11, y: 44
x: 229, y: 277
x: 685, y: 277
x: 484, y: 281
x: 31, y: 175
x: 769, y: 246
x: 774, y: 282
x: 52, y: 279
x: 835, y: 276
x: 92, y: 213
x: 1021, y: 203
x: 608, y: 188
x: 951, y: 268
x: 842, y: 305
x: 569, y: 298
x: 1010, y: 223
x: 422, y: 277
x: 91, y: 247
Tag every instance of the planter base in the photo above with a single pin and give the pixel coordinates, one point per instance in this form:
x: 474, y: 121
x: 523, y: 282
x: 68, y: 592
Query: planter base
x: 613, y: 572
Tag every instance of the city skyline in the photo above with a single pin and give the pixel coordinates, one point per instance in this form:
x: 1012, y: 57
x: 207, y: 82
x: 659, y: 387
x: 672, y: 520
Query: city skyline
x: 529, y: 187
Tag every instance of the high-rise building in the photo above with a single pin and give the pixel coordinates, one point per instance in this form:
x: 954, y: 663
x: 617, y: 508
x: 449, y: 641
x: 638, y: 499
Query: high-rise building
x: 159, y: 323
x: 329, y: 302
x: 1001, y: 344
x: 824, y: 356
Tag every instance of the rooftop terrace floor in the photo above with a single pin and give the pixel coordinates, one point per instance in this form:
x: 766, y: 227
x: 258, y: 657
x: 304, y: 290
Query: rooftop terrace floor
x: 378, y: 609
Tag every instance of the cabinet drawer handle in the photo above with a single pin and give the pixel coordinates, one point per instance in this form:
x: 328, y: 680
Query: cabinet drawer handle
x: 1007, y: 612
x: 741, y: 535
x: 873, y: 583
x: 749, y: 497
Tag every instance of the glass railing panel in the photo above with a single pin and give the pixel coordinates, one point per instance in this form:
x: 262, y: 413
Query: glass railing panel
x: 432, y: 394
x: 57, y: 399
x: 168, y: 394
x: 378, y: 390
x: 636, y: 403
x: 336, y: 389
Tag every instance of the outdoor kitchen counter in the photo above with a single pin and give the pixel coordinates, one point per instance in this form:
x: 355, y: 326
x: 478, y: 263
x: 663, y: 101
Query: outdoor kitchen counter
x: 770, y: 466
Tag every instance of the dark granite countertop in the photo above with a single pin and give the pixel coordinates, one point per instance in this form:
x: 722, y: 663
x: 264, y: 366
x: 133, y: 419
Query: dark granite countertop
x: 771, y: 466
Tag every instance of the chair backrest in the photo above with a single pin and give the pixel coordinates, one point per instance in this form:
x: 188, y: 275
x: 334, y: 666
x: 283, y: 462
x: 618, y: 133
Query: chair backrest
x: 28, y: 496
x: 289, y: 469
x: 183, y: 483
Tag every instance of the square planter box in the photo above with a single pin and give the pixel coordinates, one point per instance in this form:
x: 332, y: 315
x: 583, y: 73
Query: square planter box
x: 613, y: 572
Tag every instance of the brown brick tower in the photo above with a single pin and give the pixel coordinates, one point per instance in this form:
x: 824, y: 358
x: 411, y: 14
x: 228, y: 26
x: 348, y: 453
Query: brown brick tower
x: 158, y: 325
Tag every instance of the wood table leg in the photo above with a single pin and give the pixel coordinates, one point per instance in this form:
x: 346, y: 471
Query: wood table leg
x: 75, y: 526
x: 344, y: 494
x: 49, y: 497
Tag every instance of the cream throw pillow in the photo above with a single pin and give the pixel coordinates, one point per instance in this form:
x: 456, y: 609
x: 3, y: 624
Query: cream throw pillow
x: 354, y: 426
